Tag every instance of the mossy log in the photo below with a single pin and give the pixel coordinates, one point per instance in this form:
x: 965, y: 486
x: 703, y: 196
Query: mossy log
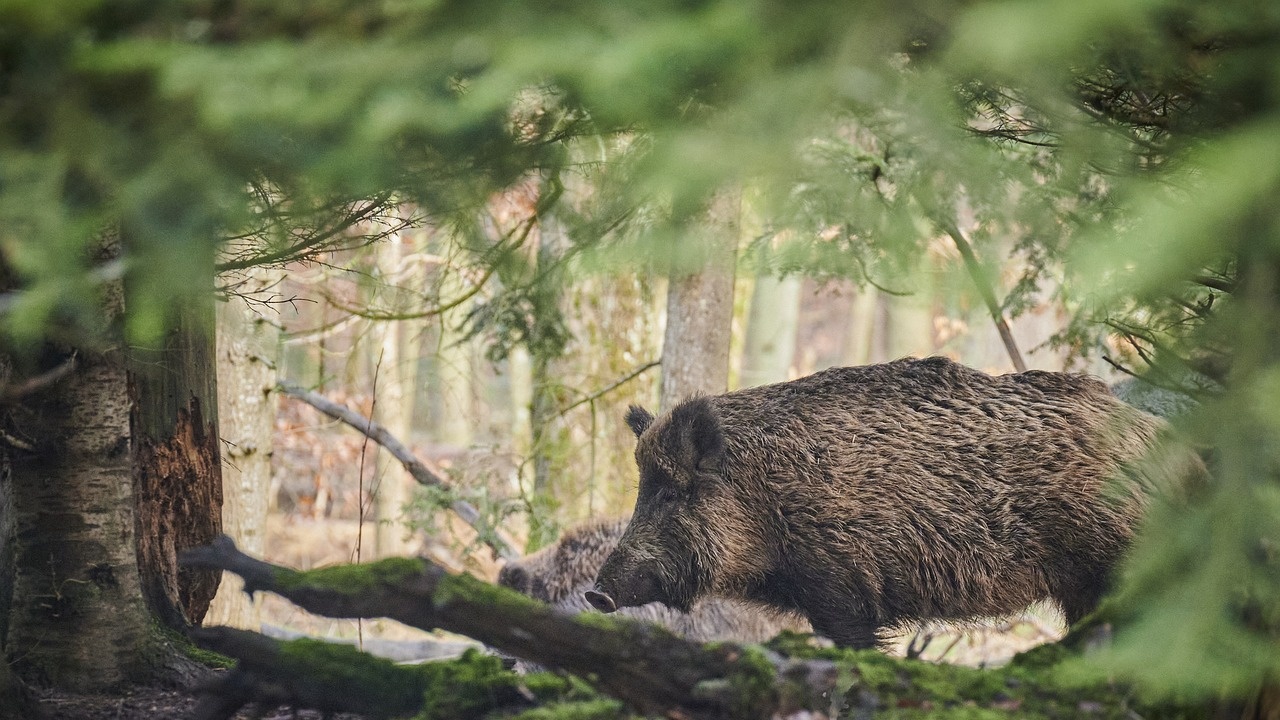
x: 653, y: 672
x: 644, y: 665
x: 330, y: 677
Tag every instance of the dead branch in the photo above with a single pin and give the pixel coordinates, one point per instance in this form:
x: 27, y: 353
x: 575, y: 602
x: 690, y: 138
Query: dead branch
x: 641, y: 664
x: 418, y: 468
x: 16, y: 391
x: 985, y: 290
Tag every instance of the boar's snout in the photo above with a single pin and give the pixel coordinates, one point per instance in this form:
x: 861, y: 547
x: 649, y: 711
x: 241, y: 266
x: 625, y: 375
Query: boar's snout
x: 617, y: 587
x: 600, y: 601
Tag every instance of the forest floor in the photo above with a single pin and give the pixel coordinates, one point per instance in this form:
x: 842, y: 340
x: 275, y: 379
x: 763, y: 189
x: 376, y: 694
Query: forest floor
x: 146, y: 703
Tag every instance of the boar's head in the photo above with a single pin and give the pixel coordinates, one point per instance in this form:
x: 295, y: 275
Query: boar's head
x: 688, y: 527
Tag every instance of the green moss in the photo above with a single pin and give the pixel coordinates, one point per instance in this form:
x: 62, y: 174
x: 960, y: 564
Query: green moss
x: 471, y: 686
x: 467, y: 687
x: 353, y: 579
x: 1041, y: 656
x: 596, y: 709
x: 914, y: 689
x: 208, y: 658
x: 395, y: 689
x: 754, y: 682
x: 165, y: 639
x: 556, y: 686
x: 465, y: 587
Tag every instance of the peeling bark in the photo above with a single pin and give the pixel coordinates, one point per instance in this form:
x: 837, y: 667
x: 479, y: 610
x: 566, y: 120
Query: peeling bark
x: 177, y: 461
x: 179, y: 500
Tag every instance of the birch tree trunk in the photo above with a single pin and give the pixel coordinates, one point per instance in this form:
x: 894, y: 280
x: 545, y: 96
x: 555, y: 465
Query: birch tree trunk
x: 71, y: 605
x: 695, y: 346
x: 450, y: 385
x: 248, y: 369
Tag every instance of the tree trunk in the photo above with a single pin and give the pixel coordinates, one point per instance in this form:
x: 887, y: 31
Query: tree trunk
x: 177, y: 461
x: 75, y: 611
x: 248, y: 366
x: 396, y: 381
x: 770, y: 347
x: 862, y: 317
x: 449, y: 386
x: 695, y: 346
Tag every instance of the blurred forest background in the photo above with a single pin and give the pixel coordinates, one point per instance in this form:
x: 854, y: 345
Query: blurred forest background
x: 402, y: 330
x: 491, y: 226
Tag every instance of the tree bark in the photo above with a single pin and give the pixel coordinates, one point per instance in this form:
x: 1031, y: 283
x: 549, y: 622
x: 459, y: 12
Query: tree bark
x: 862, y: 316
x: 177, y: 460
x: 248, y: 362
x: 75, y: 615
x: 695, y: 346
x: 394, y: 409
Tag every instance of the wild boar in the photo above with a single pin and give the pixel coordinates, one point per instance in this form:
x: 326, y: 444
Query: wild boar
x: 559, y: 575
x: 871, y: 498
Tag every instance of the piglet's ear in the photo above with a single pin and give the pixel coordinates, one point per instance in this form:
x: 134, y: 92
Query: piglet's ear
x: 638, y: 419
x: 697, y: 435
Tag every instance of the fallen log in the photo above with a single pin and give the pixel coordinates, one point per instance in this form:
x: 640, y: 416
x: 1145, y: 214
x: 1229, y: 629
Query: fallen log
x: 644, y: 665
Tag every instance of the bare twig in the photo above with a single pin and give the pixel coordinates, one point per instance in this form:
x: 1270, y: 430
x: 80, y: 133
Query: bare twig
x: 985, y: 290
x: 310, y: 243
x: 419, y: 468
x: 1216, y: 283
x: 611, y: 387
x: 30, y: 385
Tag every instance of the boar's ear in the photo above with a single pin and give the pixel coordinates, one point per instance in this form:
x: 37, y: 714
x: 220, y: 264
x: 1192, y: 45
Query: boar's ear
x: 638, y: 419
x: 698, y: 437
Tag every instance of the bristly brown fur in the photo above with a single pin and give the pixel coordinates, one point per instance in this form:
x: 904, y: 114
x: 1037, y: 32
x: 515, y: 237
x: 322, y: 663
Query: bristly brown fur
x: 870, y: 497
x: 560, y: 573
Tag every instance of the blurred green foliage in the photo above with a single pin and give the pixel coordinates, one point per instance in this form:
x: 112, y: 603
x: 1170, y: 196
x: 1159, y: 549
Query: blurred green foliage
x: 1127, y: 152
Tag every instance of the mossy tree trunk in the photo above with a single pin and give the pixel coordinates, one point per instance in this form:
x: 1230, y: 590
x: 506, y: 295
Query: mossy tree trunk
x: 653, y: 672
x: 642, y: 664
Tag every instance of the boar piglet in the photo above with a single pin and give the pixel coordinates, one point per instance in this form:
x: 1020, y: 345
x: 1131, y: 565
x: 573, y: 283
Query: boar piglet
x: 872, y: 498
